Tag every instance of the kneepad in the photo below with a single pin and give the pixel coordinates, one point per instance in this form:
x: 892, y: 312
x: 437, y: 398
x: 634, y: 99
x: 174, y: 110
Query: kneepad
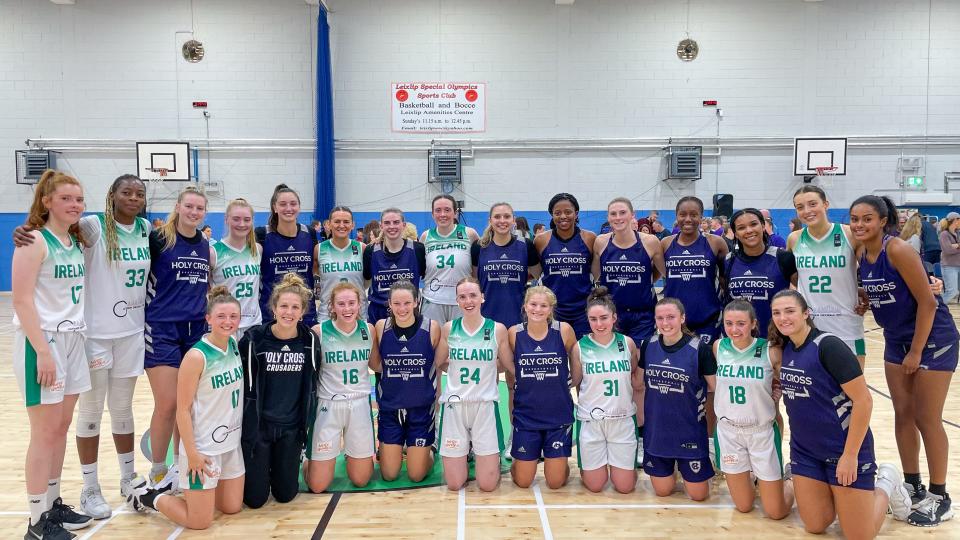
x: 120, y: 401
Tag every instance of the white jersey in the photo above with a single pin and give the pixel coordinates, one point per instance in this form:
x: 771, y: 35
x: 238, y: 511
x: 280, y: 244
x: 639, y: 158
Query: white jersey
x: 606, y: 390
x: 118, y: 286
x: 58, y: 294
x: 344, y: 373
x: 217, y: 410
x: 827, y: 279
x: 336, y: 265
x: 448, y: 261
x: 744, y: 384
x: 472, y: 374
x: 239, y: 271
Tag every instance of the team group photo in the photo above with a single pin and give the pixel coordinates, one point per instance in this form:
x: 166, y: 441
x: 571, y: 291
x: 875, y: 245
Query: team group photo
x: 263, y: 314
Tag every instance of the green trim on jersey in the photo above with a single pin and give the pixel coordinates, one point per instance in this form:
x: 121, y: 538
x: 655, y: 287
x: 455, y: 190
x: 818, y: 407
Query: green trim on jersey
x: 30, y: 384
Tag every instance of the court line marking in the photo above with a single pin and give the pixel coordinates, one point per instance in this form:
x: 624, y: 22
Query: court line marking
x: 327, y: 515
x: 176, y: 532
x: 542, y: 510
x: 103, y: 522
x: 593, y: 506
x: 461, y: 514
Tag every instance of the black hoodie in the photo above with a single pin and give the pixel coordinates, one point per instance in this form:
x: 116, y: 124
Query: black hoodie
x: 254, y: 380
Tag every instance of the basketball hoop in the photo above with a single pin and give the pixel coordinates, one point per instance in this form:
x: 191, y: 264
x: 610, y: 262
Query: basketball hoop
x: 827, y: 171
x: 161, y: 172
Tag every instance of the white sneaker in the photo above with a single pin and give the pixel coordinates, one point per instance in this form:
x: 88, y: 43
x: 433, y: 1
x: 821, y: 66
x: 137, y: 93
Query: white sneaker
x: 132, y: 489
x: 129, y: 485
x: 170, y: 482
x: 93, y: 504
x: 888, y: 479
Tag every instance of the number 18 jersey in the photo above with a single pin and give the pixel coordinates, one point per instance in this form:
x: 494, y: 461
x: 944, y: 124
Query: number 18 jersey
x: 744, y: 384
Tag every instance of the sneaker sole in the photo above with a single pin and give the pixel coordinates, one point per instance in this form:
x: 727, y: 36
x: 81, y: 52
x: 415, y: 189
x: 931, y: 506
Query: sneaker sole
x: 76, y: 526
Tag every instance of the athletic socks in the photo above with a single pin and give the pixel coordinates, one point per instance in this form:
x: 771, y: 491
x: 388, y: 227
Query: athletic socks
x: 89, y: 473
x: 938, y: 489
x: 913, y: 479
x: 53, y: 491
x: 38, y: 505
x: 126, y: 465
x: 157, y: 472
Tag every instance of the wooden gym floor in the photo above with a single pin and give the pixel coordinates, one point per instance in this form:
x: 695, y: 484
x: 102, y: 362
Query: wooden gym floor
x: 435, y: 512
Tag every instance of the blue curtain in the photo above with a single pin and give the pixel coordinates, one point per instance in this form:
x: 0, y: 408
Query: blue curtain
x: 326, y: 188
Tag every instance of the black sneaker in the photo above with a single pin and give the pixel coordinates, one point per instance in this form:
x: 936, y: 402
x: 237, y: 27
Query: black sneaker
x: 70, y: 520
x: 931, y: 511
x: 917, y: 493
x: 47, y: 529
x: 141, y: 496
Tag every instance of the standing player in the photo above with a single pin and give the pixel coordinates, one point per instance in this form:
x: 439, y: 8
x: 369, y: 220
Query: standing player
x: 288, y: 246
x: 407, y: 385
x: 603, y: 368
x: 210, y: 399
x: 628, y: 263
x: 176, y: 302
x: 339, y: 260
x: 472, y: 351
x: 390, y: 260
x: 755, y: 270
x: 831, y: 447
x: 920, y: 351
x: 503, y: 264
x: 235, y: 262
x: 343, y: 412
x: 48, y: 354
x: 827, y: 269
x: 678, y: 374
x: 693, y: 262
x: 448, y: 260
x: 747, y: 436
x: 566, y: 256
x: 539, y: 382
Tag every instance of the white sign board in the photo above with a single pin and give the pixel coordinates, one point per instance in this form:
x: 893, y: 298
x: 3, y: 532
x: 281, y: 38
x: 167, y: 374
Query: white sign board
x: 438, y: 107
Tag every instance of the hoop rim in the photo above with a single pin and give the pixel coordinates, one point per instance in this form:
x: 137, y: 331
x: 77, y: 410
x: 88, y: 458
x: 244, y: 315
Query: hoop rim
x: 827, y: 171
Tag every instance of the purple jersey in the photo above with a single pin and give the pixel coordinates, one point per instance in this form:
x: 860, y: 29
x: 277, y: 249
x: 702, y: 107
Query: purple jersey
x: 541, y: 398
x: 408, y: 378
x: 282, y: 254
x: 628, y: 274
x: 818, y: 408
x: 502, y: 272
x: 674, y: 405
x: 692, y: 279
x: 387, y: 269
x: 177, y: 286
x: 566, y: 272
x: 895, y: 308
x: 756, y: 280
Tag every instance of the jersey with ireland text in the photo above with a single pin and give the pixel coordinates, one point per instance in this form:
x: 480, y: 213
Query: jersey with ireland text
x: 827, y: 279
x: 336, y: 265
x: 239, y: 271
x: 119, y: 285
x: 448, y: 261
x: 606, y: 390
x: 472, y: 371
x: 58, y: 293
x: 744, y: 384
x: 217, y: 410
x: 344, y: 370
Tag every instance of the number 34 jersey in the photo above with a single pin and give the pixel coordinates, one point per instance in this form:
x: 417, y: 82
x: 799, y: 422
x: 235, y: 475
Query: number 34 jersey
x: 116, y: 289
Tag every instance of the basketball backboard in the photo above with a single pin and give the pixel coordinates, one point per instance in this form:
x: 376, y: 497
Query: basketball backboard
x: 809, y: 153
x: 166, y: 161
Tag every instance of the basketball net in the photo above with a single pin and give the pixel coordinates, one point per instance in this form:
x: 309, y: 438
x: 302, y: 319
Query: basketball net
x: 826, y: 172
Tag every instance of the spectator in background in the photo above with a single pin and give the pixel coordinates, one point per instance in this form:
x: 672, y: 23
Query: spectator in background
x: 929, y: 242
x: 605, y: 228
x: 523, y: 228
x: 729, y: 236
x: 538, y: 228
x: 207, y: 231
x: 649, y: 220
x: 950, y: 256
x: 317, y: 229
x: 361, y: 236
x: 157, y: 223
x: 910, y: 233
x: 796, y: 224
x: 327, y: 231
x: 410, y: 232
x: 775, y: 239
x: 717, y: 224
x: 658, y: 230
x: 371, y: 232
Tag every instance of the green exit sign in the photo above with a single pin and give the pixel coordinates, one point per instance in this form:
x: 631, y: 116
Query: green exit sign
x: 915, y: 181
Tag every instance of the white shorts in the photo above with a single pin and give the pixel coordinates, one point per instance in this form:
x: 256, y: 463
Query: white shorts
x: 73, y: 376
x: 441, y: 313
x: 743, y: 449
x: 123, y: 356
x: 466, y: 423
x: 610, y: 441
x: 225, y: 466
x: 345, y: 425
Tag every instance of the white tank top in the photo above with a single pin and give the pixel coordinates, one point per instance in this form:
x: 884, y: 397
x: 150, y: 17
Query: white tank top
x: 334, y: 266
x: 59, y: 295
x: 448, y: 261
x: 827, y: 279
x: 472, y: 374
x: 606, y: 390
x: 118, y: 287
x: 744, y: 384
x: 344, y: 373
x: 239, y: 272
x: 217, y: 411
